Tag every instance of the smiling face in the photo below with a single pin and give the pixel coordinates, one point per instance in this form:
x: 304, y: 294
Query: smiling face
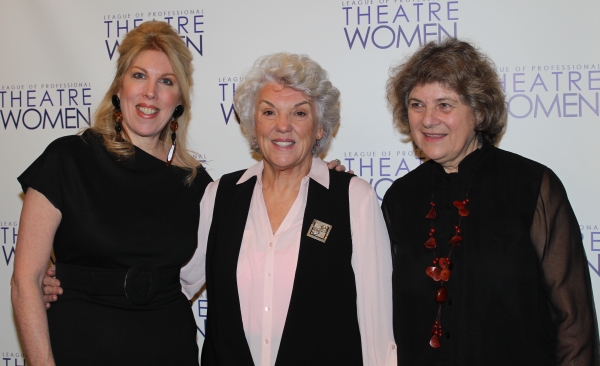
x: 441, y: 125
x: 285, y: 128
x: 149, y: 94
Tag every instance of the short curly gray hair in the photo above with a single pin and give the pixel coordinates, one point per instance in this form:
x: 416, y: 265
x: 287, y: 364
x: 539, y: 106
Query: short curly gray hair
x: 297, y: 72
x: 459, y: 66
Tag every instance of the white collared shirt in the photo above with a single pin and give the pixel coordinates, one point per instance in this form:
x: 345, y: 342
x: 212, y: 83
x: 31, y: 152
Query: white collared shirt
x: 267, y: 266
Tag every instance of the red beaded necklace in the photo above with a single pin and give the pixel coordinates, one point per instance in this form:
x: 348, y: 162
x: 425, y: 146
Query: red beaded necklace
x: 440, y: 270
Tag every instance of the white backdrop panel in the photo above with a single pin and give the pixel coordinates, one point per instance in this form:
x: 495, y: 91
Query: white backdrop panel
x: 56, y: 65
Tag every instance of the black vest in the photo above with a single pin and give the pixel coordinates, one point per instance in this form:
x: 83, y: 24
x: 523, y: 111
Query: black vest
x: 321, y: 326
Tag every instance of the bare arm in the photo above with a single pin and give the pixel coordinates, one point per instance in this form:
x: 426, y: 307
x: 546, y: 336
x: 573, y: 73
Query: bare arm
x: 38, y: 224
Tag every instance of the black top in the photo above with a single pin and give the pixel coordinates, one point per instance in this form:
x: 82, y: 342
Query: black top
x: 114, y: 215
x: 519, y: 289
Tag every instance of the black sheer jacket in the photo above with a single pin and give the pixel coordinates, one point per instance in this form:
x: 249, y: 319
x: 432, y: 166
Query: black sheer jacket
x: 519, y: 291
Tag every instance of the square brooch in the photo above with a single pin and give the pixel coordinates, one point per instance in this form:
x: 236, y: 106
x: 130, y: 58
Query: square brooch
x: 319, y: 230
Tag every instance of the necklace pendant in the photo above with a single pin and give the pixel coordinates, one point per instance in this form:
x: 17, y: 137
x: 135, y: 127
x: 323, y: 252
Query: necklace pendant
x: 431, y: 214
x: 455, y: 239
x: 435, y: 342
x: 430, y: 243
x: 434, y: 272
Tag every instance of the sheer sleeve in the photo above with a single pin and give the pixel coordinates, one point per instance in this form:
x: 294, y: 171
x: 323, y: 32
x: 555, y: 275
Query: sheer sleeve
x: 565, y: 275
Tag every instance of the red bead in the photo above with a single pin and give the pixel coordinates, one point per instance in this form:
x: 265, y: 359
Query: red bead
x: 444, y: 263
x: 434, y: 272
x: 431, y: 214
x: 463, y: 212
x: 455, y: 239
x: 458, y: 204
x: 430, y: 243
x: 441, y: 294
x: 457, y: 230
x: 434, y: 342
x: 467, y: 200
x: 445, y: 275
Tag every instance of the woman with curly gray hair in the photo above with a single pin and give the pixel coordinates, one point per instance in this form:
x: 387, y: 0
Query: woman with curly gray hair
x: 486, y: 245
x: 297, y: 256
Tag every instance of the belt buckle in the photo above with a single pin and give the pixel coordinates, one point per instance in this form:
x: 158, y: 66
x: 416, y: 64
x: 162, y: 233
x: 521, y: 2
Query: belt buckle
x: 141, y: 283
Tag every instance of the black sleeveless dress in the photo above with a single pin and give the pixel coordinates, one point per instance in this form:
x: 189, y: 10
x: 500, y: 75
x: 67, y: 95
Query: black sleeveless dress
x: 116, y: 214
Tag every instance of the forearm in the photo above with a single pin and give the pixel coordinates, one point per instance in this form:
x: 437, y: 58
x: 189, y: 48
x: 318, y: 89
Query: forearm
x: 32, y: 323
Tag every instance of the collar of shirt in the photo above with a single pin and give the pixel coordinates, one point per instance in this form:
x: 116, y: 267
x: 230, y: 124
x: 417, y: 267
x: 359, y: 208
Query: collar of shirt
x: 319, y: 172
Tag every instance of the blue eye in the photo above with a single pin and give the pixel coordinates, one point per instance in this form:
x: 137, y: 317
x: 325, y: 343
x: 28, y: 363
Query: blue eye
x: 167, y: 81
x: 138, y: 75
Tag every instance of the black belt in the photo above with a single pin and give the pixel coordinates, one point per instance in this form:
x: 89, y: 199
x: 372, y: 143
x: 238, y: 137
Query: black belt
x: 139, y: 284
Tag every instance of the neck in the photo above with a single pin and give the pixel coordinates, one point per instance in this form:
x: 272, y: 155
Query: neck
x: 452, y: 166
x: 154, y: 147
x: 277, y: 179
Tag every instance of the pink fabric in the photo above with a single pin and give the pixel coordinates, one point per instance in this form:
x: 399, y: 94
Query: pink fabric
x: 267, y: 266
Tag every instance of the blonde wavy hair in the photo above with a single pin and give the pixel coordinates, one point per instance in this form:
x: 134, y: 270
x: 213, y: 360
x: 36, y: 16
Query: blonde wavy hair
x: 156, y: 36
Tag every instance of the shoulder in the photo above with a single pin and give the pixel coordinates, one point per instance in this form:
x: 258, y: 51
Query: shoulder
x: 511, y: 160
x: 340, y: 177
x: 232, y: 178
x: 360, y: 187
x: 202, y: 177
x: 511, y: 171
x: 411, y: 181
x: 72, y: 143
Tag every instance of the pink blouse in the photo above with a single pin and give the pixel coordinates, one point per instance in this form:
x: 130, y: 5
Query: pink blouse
x: 267, y: 266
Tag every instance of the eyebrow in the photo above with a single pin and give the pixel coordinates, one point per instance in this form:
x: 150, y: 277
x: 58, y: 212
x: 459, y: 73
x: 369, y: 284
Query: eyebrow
x: 146, y: 71
x: 273, y: 105
x: 435, y: 100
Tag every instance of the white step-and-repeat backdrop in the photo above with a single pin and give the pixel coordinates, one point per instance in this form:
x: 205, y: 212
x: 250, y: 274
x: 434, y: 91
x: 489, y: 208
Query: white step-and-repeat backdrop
x: 58, y: 59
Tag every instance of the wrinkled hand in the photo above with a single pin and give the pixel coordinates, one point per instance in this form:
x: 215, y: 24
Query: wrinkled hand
x: 337, y: 165
x: 51, y: 287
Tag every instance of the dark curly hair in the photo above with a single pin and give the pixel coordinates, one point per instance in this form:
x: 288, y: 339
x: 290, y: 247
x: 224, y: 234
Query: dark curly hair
x: 461, y: 67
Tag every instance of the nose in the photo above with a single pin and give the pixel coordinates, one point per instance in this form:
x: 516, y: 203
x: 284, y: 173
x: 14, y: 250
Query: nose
x: 150, y: 91
x: 430, y: 117
x: 283, y: 123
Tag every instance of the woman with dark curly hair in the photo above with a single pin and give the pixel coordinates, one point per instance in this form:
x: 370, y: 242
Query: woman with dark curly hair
x: 489, y: 266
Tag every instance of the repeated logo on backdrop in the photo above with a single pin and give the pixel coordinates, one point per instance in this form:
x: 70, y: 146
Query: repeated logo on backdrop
x: 54, y: 105
x: 398, y: 24
x: 590, y: 235
x: 226, y: 89
x: 201, y: 308
x: 552, y: 91
x: 8, y: 239
x: 13, y: 358
x: 189, y: 24
x: 382, y: 168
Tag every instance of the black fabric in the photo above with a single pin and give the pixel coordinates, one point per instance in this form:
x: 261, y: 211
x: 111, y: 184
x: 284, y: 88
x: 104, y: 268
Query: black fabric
x: 225, y: 342
x: 519, y: 290
x: 114, y: 215
x: 321, y: 325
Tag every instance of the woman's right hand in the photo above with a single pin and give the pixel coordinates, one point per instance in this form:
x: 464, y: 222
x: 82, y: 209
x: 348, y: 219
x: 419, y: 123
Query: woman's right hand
x: 51, y: 287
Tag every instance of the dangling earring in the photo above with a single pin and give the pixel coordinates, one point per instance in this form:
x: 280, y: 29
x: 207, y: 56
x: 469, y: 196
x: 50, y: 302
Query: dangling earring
x: 118, y: 116
x: 318, y: 143
x: 255, y: 145
x: 174, y: 126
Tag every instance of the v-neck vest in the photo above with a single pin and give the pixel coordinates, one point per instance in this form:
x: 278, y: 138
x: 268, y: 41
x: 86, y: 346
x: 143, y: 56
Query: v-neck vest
x: 321, y: 326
